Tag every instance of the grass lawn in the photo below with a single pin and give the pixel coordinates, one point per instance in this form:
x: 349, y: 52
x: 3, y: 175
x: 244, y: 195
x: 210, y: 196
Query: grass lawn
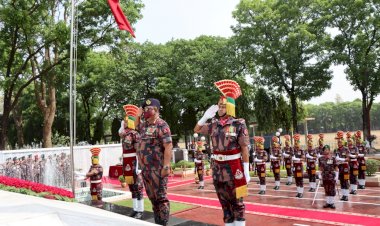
x: 174, y: 206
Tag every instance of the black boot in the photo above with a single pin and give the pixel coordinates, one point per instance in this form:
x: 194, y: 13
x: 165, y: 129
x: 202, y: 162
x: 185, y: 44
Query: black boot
x: 300, y: 195
x: 133, y: 214
x: 344, y: 198
x: 326, y: 205
x: 312, y: 190
x: 261, y: 193
x: 353, y: 192
x: 138, y: 215
x: 332, y: 206
x: 276, y: 188
x: 360, y: 187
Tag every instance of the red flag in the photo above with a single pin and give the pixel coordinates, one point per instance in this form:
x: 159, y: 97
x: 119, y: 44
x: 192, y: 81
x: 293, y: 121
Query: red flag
x: 120, y: 18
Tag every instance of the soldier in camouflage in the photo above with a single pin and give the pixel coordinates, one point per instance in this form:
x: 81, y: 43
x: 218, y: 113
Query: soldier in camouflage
x: 298, y: 159
x: 130, y: 141
x: 354, y: 165
x: 311, y: 159
x: 275, y: 160
x: 362, y: 164
x: 230, y: 142
x: 287, y: 152
x: 95, y: 174
x: 154, y: 156
x: 198, y: 159
x: 343, y: 158
x: 329, y: 174
x: 261, y: 158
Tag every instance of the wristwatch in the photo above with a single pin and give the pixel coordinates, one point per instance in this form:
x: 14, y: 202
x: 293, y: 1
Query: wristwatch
x: 166, y: 167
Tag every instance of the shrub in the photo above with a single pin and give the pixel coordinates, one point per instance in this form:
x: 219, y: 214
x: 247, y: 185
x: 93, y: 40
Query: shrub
x: 372, y: 166
x: 185, y: 164
x: 122, y: 179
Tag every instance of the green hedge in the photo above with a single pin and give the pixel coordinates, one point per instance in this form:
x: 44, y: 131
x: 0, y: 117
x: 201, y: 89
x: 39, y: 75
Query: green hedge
x: 185, y: 164
x: 372, y: 166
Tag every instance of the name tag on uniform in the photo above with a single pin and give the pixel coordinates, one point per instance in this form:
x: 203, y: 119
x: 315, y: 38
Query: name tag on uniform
x: 330, y: 161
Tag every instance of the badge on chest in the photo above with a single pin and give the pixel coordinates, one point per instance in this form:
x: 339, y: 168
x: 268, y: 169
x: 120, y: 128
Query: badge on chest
x: 230, y: 131
x: 330, y: 161
x: 150, y: 130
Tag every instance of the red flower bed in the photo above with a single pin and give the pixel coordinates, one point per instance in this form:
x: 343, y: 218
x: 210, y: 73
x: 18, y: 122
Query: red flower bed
x: 36, y: 187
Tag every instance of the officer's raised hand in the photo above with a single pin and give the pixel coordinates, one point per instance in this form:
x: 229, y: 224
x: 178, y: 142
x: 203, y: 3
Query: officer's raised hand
x: 210, y: 112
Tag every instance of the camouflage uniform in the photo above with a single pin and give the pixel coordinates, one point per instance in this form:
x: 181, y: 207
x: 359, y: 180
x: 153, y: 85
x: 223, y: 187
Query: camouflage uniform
x: 96, y: 187
x: 151, y: 158
x: 226, y: 136
x: 362, y: 164
x: 262, y: 155
x: 130, y: 141
x: 276, y: 165
x: 327, y: 165
x: 344, y: 170
x: 354, y: 168
x: 311, y: 159
x: 298, y: 170
x: 200, y: 167
x: 287, y: 152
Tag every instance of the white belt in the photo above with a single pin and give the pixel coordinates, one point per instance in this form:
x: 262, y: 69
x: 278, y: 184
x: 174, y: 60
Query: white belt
x: 129, y: 155
x: 222, y: 158
x: 353, y: 160
x: 311, y: 160
x: 95, y: 181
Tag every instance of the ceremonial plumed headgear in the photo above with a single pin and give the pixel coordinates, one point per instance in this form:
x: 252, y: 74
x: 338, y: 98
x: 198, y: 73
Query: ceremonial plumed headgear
x: 131, y: 114
x: 231, y: 91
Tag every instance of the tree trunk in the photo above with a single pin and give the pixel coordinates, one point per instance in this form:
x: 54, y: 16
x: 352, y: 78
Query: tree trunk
x: 4, y: 123
x: 17, y: 117
x: 366, y: 108
x: 293, y: 102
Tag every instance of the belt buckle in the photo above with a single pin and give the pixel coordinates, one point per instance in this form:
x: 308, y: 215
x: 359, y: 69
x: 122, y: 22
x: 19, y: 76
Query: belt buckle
x: 220, y: 158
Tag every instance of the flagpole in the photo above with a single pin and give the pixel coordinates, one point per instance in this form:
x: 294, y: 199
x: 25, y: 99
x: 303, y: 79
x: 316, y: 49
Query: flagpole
x: 72, y: 95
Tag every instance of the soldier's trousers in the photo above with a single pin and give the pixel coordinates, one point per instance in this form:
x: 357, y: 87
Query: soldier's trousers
x: 137, y: 187
x: 156, y: 187
x: 233, y: 208
x: 329, y: 186
x: 362, y: 168
x: 311, y: 172
x: 288, y: 166
x: 261, y: 171
x: 276, y: 170
x: 344, y: 176
x: 96, y: 191
x: 354, y: 171
x: 200, y: 174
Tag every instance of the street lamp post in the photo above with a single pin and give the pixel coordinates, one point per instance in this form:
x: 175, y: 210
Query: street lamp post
x: 306, y: 132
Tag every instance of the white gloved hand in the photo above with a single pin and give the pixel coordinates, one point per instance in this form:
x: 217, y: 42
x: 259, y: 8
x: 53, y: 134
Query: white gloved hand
x: 121, y: 130
x: 295, y: 159
x: 273, y: 157
x: 197, y: 161
x: 361, y: 155
x: 138, y: 171
x: 319, y: 155
x: 309, y: 156
x: 340, y: 159
x: 258, y: 160
x: 246, y: 172
x: 336, y: 176
x: 210, y: 112
x: 285, y: 155
x: 319, y: 173
x: 352, y: 156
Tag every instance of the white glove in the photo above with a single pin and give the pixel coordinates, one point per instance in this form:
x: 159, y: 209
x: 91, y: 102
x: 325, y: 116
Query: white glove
x: 309, y: 156
x: 210, y: 112
x: 340, y: 159
x: 352, y: 156
x: 319, y: 155
x: 138, y: 171
x: 336, y: 176
x: 295, y: 159
x: 197, y: 161
x: 273, y: 157
x: 121, y: 130
x: 319, y: 173
x: 258, y: 160
x: 361, y: 155
x: 246, y: 172
x: 285, y: 155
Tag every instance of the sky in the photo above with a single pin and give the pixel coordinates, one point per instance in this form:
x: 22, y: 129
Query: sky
x: 164, y: 20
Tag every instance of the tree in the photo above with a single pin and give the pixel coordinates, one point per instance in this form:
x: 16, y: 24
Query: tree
x: 34, y: 41
x: 286, y: 44
x: 357, y: 46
